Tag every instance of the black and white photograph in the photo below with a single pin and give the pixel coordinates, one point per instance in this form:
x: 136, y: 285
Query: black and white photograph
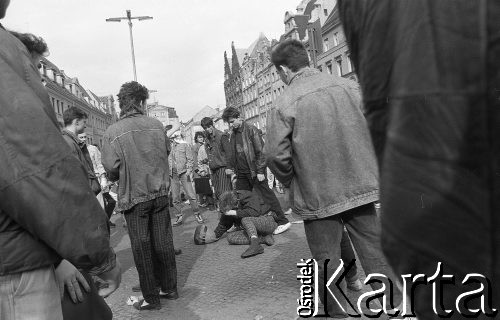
x: 249, y: 160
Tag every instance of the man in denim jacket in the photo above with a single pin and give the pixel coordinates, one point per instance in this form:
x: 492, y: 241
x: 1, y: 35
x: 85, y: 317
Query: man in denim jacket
x: 318, y: 144
x: 134, y: 152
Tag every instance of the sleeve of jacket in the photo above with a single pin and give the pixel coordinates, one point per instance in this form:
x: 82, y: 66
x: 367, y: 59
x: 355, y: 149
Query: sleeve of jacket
x: 189, y: 157
x: 195, y: 151
x: 110, y: 159
x: 98, y: 162
x: 43, y: 186
x: 258, y: 147
x: 278, y: 148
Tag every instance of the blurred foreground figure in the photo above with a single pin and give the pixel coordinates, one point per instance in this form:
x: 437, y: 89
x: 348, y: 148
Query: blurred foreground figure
x: 430, y: 74
x: 48, y: 213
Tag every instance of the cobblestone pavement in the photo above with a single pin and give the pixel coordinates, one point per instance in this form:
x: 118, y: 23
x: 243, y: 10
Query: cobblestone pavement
x: 214, y: 282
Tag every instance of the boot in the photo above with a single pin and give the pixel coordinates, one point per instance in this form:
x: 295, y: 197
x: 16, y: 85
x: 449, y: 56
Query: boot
x: 267, y: 240
x: 254, y: 249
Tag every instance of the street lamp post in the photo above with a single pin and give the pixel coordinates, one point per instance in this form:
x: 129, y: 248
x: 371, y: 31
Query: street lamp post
x: 130, y: 18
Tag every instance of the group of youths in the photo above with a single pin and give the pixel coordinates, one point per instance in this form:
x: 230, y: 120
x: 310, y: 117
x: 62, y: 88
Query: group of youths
x: 54, y: 234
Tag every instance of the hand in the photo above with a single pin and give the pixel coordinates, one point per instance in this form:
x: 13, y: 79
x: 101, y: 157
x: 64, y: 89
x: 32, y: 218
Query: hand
x: 230, y: 213
x: 261, y: 177
x: 113, y: 278
x: 229, y: 172
x: 68, y: 275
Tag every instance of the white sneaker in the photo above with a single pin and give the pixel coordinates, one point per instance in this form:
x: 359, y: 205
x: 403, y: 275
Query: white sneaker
x: 289, y: 211
x: 282, y: 228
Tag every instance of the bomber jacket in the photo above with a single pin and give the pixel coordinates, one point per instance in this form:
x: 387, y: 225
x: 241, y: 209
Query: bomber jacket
x: 253, y: 146
x: 319, y: 145
x: 217, y: 147
x: 134, y: 153
x: 47, y: 210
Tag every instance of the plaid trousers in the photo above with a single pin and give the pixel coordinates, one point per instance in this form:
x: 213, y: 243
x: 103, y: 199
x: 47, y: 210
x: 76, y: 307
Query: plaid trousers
x: 150, y: 234
x: 253, y: 226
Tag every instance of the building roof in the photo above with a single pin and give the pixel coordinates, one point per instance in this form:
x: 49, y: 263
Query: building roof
x: 332, y: 20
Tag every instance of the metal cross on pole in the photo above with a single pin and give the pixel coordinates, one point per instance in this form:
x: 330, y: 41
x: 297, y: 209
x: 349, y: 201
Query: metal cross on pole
x: 130, y: 18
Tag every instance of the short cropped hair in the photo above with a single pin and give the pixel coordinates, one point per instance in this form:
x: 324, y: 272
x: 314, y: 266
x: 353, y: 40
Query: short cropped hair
x: 290, y: 53
x: 228, y: 201
x: 73, y: 113
x: 207, y: 122
x: 230, y: 112
x: 34, y: 44
x: 130, y: 97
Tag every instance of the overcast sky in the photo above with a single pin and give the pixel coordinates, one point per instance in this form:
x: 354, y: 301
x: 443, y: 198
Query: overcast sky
x: 180, y: 53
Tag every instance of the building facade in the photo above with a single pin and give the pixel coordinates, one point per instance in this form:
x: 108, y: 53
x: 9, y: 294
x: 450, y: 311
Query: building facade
x: 65, y: 92
x: 166, y: 115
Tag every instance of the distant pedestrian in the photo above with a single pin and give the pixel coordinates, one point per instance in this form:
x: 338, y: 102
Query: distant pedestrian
x: 181, y: 164
x: 246, y: 159
x: 134, y: 152
x: 319, y: 145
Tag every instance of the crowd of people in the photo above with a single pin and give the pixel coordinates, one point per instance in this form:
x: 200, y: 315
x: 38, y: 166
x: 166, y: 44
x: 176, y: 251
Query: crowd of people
x: 324, y: 144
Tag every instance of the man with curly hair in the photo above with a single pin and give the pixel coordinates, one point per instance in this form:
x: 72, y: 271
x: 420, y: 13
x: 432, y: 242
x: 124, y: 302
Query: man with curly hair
x: 134, y: 152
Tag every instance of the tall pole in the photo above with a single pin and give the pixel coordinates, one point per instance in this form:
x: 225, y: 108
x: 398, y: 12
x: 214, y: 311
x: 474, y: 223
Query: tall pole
x: 130, y: 18
x: 132, y: 43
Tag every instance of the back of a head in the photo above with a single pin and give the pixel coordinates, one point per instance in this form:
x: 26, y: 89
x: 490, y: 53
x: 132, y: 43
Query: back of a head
x: 290, y: 53
x: 35, y: 45
x: 131, y: 97
x: 228, y: 201
x: 71, y: 114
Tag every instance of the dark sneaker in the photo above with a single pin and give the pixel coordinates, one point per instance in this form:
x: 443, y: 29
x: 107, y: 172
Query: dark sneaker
x: 254, y: 249
x: 178, y: 222
x: 143, y: 305
x: 198, y: 218
x: 177, y: 251
x: 169, y: 295
x: 267, y: 240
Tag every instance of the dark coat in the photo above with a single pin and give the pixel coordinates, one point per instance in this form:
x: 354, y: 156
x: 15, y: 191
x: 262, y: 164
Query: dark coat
x: 47, y: 209
x: 253, y: 146
x: 430, y: 73
x: 217, y: 147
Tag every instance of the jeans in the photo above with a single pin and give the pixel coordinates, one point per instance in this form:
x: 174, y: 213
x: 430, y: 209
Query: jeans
x: 324, y: 238
x: 150, y: 234
x: 246, y: 182
x: 177, y: 180
x: 30, y: 295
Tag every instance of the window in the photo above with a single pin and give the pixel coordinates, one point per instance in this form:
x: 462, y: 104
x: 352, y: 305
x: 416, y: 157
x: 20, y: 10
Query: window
x: 338, y: 62
x: 325, y: 45
x: 325, y: 11
x: 335, y: 39
x: 349, y: 63
x: 320, y: 68
x: 57, y: 103
x: 329, y: 67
